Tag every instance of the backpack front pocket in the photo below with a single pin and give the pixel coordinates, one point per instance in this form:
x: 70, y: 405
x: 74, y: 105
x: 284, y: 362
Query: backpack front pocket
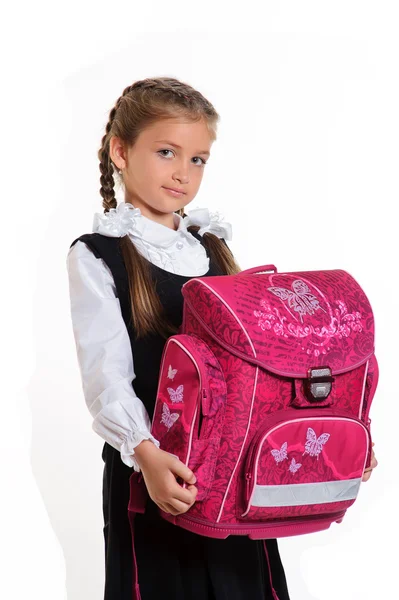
x: 304, y: 463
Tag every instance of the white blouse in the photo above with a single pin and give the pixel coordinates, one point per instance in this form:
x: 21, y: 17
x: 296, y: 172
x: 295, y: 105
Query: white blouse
x: 102, y: 342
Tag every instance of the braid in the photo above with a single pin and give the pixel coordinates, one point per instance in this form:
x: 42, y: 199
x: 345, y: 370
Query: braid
x: 107, y: 181
x: 107, y: 190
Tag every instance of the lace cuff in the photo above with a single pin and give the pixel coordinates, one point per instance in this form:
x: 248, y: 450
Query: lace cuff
x: 128, y: 446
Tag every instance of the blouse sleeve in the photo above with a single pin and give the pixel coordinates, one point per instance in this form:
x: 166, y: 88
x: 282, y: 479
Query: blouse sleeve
x: 105, y: 355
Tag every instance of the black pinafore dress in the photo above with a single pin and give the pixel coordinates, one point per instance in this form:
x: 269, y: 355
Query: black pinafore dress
x: 169, y: 562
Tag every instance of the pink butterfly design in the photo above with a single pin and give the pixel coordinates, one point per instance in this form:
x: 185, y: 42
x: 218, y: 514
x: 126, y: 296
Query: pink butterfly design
x: 294, y: 466
x: 171, y: 372
x: 280, y: 455
x: 314, y: 445
x: 168, y: 418
x: 177, y: 394
x: 299, y: 298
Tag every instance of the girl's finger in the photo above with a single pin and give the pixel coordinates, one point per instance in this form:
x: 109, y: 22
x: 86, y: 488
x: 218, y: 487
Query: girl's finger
x: 180, y: 469
x: 185, y: 495
x: 177, y: 507
x: 168, y: 508
x: 367, y: 473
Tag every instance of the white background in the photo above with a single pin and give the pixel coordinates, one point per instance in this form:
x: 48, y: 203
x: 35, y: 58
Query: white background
x: 305, y: 168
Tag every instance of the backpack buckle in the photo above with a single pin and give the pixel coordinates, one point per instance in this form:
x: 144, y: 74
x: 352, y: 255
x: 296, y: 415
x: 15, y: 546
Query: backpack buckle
x: 318, y: 384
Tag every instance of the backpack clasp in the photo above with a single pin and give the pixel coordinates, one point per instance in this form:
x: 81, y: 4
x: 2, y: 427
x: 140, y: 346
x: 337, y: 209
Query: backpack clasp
x: 318, y: 384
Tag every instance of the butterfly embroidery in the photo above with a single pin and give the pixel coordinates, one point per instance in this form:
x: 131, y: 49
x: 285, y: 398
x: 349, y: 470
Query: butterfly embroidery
x: 294, y: 466
x: 314, y: 445
x: 168, y: 418
x: 280, y: 455
x: 299, y: 298
x: 177, y: 394
x: 171, y: 372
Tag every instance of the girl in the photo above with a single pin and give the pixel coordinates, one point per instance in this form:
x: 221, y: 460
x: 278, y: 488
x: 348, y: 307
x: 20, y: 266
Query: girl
x: 125, y: 287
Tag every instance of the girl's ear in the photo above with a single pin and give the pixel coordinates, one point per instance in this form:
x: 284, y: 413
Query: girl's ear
x: 117, y: 152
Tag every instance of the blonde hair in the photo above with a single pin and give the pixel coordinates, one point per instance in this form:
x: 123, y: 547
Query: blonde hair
x: 139, y: 106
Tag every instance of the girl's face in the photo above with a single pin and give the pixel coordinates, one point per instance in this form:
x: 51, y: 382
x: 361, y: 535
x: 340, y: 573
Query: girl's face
x: 168, y: 154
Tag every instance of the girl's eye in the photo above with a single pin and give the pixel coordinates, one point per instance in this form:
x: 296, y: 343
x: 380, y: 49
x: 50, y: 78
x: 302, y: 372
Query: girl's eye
x: 201, y: 159
x: 203, y: 162
x: 165, y: 150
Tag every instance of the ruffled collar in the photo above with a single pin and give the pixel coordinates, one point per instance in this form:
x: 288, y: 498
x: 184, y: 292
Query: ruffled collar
x: 125, y: 219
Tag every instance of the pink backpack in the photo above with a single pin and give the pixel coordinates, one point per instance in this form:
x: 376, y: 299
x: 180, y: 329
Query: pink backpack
x: 265, y: 394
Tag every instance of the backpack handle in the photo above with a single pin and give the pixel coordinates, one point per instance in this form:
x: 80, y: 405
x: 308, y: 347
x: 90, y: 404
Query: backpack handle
x: 258, y: 270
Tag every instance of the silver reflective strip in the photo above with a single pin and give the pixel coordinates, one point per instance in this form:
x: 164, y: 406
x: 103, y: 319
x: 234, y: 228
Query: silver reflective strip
x: 305, y: 493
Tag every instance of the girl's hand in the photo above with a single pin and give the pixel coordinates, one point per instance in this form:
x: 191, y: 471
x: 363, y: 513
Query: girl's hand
x: 160, y: 470
x: 373, y: 464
